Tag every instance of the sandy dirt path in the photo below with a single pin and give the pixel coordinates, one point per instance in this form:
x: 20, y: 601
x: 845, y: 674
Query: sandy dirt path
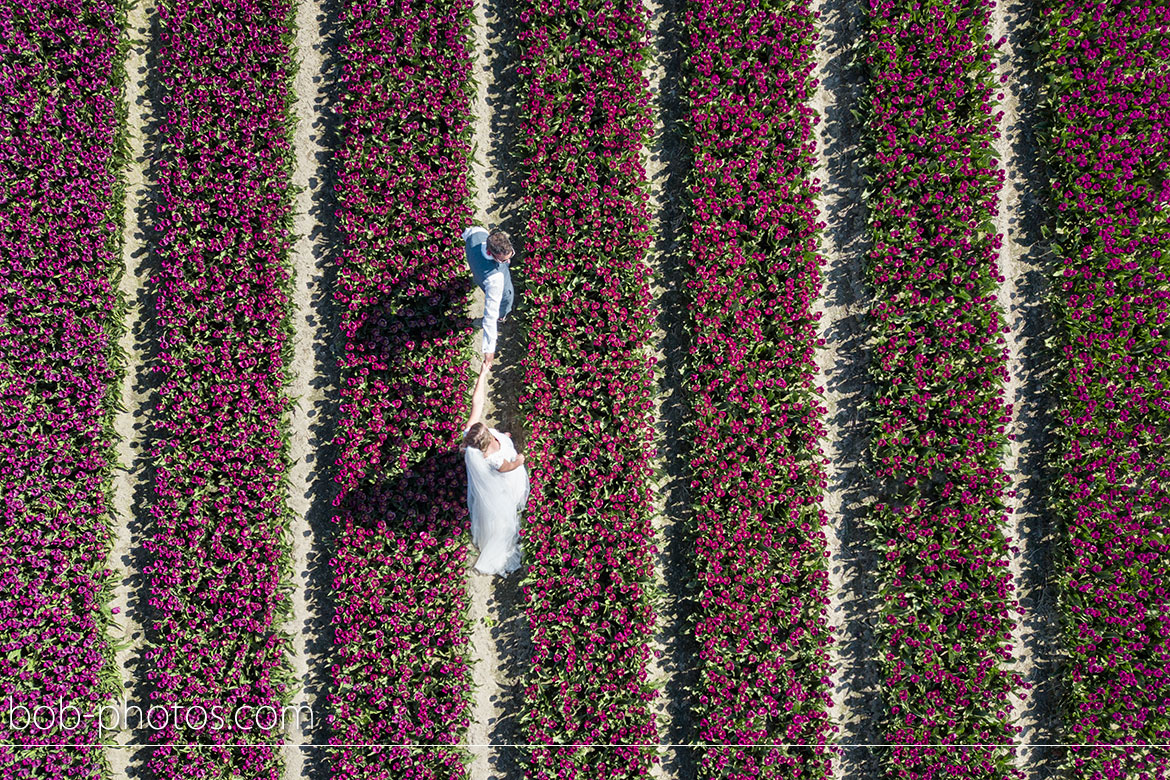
x: 1010, y: 269
x: 486, y: 661
x: 843, y: 366
x: 500, y: 642
x: 131, y: 480
x: 1022, y: 262
x: 659, y: 258
x: 313, y: 385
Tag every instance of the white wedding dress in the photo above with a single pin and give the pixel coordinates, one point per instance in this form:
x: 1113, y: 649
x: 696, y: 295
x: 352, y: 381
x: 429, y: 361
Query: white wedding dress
x: 495, y: 500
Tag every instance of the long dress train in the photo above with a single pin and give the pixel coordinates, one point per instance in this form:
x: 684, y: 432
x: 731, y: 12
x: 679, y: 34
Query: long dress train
x: 495, y: 500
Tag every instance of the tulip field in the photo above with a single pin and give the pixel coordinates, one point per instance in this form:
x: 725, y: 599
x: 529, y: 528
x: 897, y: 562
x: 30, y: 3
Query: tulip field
x: 686, y: 606
x: 1110, y: 155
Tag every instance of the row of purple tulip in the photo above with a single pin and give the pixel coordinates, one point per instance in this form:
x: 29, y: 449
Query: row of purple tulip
x: 938, y: 367
x: 401, y: 668
x: 588, y: 388
x: 1107, y: 67
x: 219, y: 553
x: 61, y: 191
x: 757, y: 471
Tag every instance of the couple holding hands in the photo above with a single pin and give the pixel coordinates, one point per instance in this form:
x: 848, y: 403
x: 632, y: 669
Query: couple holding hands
x: 497, y: 482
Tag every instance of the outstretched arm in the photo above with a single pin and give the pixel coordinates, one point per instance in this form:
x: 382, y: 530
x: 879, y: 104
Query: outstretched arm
x: 477, y: 396
x: 493, y: 294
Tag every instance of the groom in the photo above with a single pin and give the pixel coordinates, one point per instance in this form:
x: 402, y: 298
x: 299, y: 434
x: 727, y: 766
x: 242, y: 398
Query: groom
x: 487, y: 256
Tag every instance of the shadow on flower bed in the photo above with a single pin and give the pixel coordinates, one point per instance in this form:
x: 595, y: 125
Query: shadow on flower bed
x: 842, y: 24
x: 1030, y: 316
x: 402, y: 555
x: 145, y: 383
x: 324, y: 320
x: 671, y: 153
x: 505, y: 197
x: 427, y: 499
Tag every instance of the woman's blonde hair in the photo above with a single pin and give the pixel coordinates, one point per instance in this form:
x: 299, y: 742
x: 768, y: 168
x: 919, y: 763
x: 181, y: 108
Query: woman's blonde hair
x: 477, y: 436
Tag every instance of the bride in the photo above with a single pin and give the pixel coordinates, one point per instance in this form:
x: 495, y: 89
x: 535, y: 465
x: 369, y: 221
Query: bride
x: 497, y: 488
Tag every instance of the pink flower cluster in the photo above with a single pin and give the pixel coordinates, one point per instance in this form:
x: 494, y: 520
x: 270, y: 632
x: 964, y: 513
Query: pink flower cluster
x: 63, y: 149
x: 401, y: 669
x: 219, y: 568
x: 939, y: 367
x: 589, y: 384
x: 757, y: 467
x: 1107, y: 66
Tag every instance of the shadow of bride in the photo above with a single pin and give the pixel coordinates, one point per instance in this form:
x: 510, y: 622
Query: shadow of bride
x: 402, y: 653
